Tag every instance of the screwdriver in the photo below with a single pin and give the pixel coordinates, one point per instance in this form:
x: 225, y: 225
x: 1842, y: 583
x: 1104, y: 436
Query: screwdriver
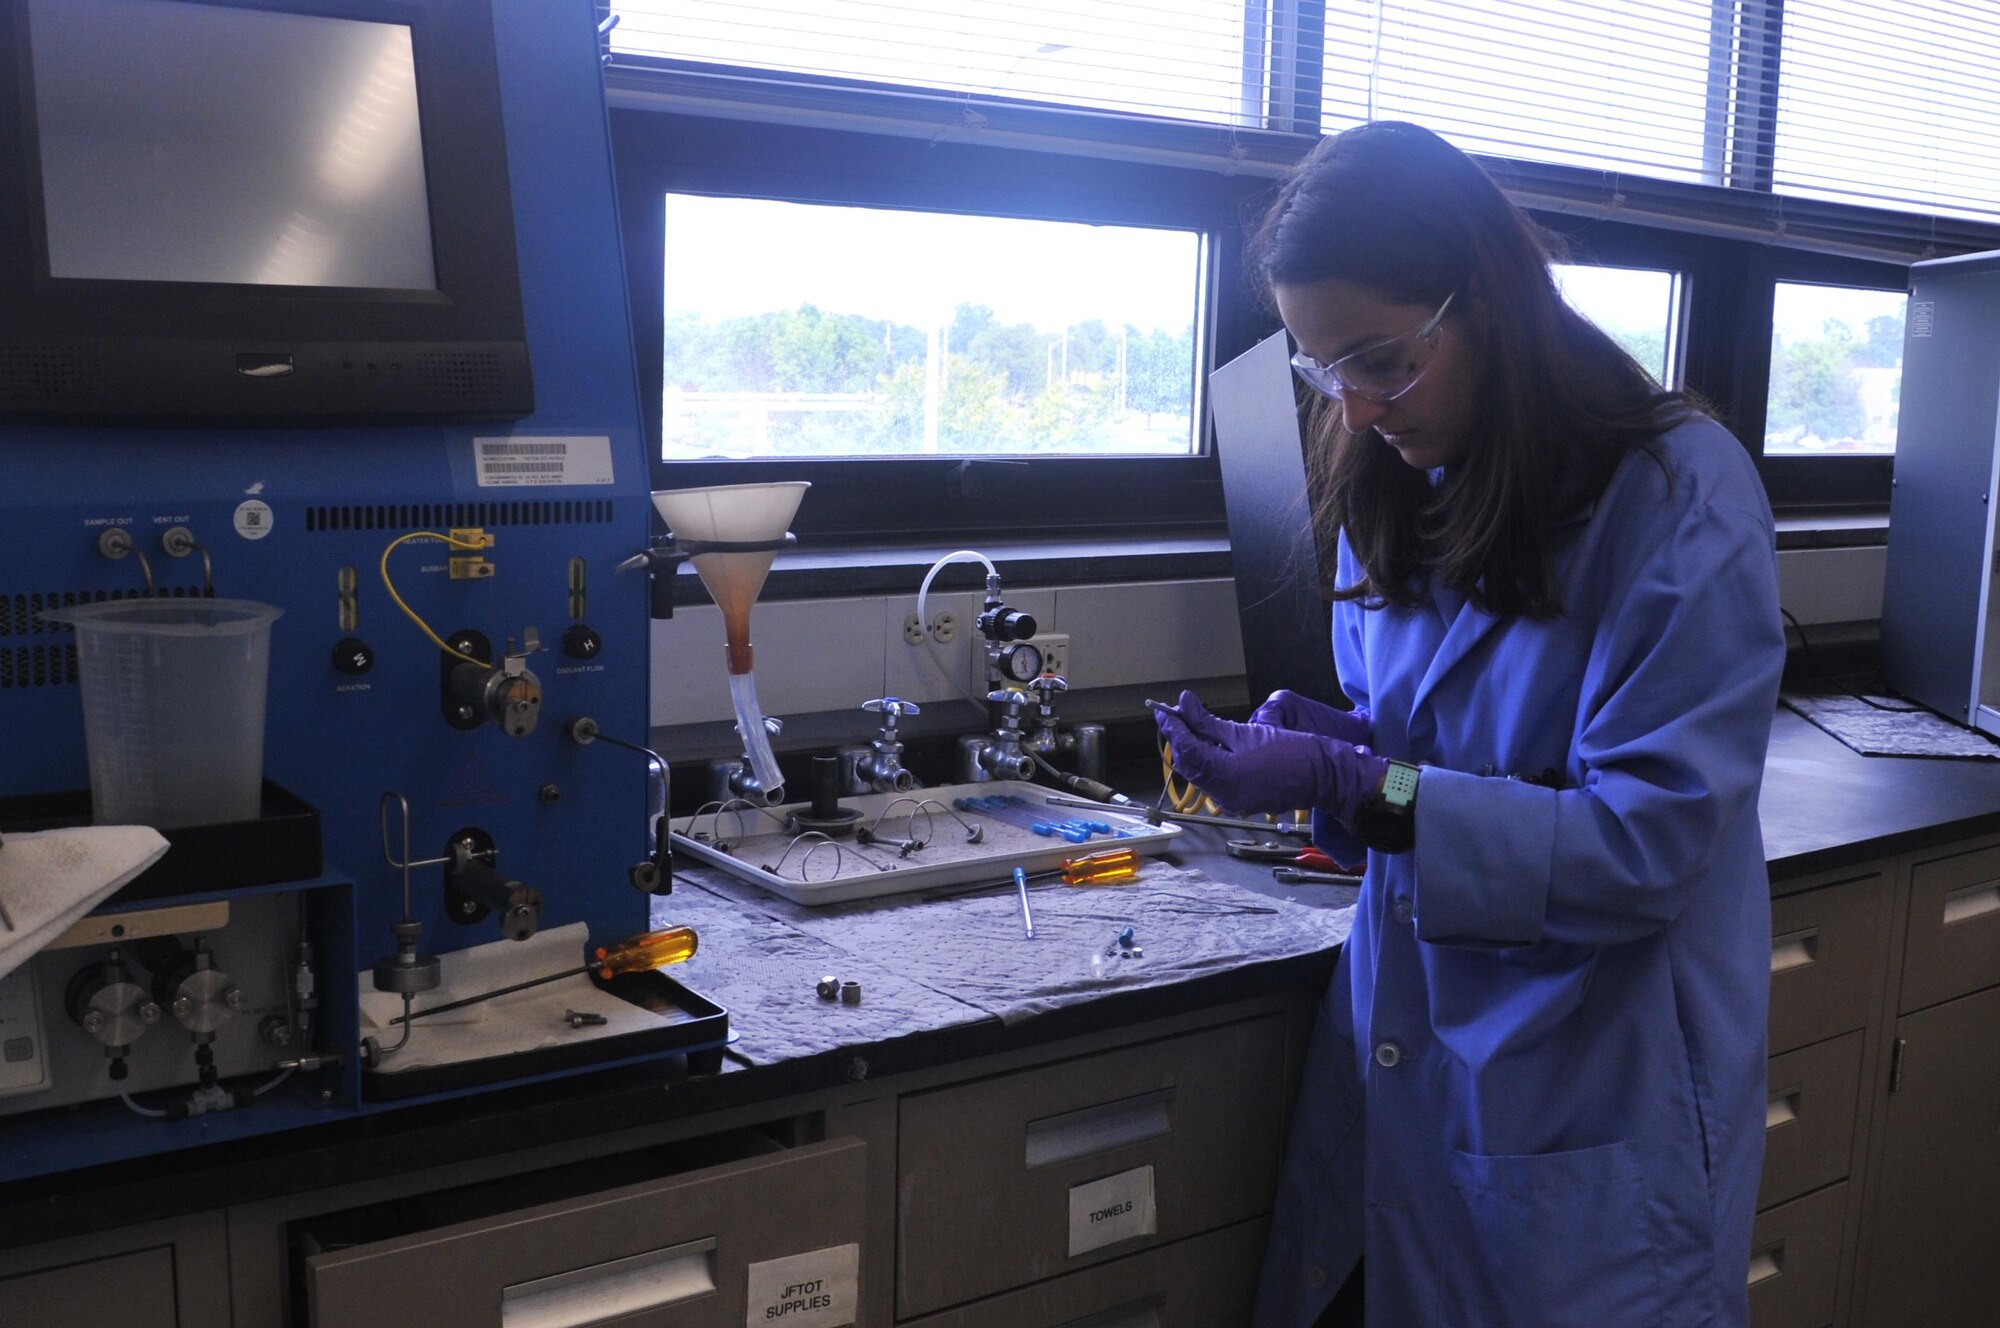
x: 649, y: 949
x: 1113, y: 866
x: 635, y: 954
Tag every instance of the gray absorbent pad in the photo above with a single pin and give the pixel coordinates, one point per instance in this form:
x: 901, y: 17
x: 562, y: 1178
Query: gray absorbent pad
x: 1906, y: 730
x: 928, y: 962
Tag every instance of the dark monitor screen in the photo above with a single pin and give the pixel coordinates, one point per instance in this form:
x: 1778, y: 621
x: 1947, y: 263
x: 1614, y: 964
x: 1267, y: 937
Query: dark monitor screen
x: 271, y: 211
x: 193, y: 143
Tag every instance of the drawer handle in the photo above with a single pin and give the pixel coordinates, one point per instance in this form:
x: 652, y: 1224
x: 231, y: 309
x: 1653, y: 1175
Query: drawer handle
x: 1767, y: 1264
x: 1974, y: 901
x: 1794, y: 950
x: 1099, y: 1129
x: 1782, y: 1109
x: 1126, y: 1316
x: 606, y: 1290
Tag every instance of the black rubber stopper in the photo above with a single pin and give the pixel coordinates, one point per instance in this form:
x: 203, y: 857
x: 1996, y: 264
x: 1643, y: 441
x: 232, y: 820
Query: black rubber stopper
x: 826, y: 814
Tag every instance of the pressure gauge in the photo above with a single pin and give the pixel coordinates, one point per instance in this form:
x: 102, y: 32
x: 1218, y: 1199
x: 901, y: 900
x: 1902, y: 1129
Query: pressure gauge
x: 1021, y: 662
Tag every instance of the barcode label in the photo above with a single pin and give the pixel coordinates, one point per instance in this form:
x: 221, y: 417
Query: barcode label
x: 506, y: 462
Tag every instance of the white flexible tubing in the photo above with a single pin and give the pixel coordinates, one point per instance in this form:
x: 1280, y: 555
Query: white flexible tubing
x: 272, y: 1083
x: 924, y: 590
x: 756, y: 738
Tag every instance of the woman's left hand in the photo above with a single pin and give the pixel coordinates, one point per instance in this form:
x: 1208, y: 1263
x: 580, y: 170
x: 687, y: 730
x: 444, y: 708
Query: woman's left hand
x: 1255, y: 767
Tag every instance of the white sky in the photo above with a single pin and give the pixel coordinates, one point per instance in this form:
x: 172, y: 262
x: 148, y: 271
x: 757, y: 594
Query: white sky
x: 1801, y: 310
x: 727, y: 257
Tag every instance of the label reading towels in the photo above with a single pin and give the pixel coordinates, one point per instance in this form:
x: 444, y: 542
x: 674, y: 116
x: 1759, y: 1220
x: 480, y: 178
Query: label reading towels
x: 527, y: 460
x: 815, y: 1290
x: 1115, y: 1208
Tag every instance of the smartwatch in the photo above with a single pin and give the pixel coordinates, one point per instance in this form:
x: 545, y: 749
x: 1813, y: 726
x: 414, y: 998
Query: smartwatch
x: 1387, y: 821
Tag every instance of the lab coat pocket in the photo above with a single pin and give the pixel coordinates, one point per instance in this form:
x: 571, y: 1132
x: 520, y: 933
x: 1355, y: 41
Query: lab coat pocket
x: 1563, y: 1240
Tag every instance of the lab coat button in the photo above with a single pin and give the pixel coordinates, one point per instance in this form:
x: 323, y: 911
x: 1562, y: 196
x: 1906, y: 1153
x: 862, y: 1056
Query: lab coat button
x: 1388, y: 1055
x: 1316, y: 1277
x: 1402, y: 910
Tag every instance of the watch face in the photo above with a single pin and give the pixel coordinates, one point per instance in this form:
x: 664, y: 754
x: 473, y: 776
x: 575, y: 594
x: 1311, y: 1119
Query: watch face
x: 1022, y: 663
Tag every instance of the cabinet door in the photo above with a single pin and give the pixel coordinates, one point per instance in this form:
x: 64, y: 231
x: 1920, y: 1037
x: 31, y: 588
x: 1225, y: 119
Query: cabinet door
x: 1930, y: 1253
x: 171, y: 1274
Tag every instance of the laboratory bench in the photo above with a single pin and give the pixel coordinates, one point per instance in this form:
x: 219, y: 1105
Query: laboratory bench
x: 1049, y: 1155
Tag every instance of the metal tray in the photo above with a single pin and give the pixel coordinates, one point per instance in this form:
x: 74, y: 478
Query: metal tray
x: 767, y: 846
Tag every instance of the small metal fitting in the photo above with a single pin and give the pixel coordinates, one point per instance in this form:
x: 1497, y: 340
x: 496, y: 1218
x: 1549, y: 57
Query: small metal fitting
x: 583, y: 1019
x: 828, y: 988
x: 850, y: 993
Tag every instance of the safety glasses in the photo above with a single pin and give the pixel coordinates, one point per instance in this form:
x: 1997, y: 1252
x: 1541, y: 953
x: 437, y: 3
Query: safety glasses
x: 1379, y: 372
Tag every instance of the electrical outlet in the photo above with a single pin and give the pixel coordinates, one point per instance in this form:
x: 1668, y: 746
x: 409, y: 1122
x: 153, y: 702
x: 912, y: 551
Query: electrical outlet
x: 913, y: 630
x: 1055, y: 651
x: 944, y: 627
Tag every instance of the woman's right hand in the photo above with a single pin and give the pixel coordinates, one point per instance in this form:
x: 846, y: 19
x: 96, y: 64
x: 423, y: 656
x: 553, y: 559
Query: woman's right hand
x: 1286, y: 709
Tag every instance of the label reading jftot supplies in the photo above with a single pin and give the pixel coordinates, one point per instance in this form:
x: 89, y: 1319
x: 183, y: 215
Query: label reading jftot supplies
x: 253, y: 519
x: 524, y: 461
x: 814, y: 1290
x: 1115, y: 1208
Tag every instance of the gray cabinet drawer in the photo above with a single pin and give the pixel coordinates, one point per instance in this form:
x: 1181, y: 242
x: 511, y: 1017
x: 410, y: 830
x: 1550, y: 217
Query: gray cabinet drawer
x: 672, y: 1253
x: 1009, y: 1180
x: 1795, y: 1261
x: 1953, y: 947
x: 1809, y: 1121
x: 127, y: 1291
x: 1829, y: 950
x: 1204, y: 1282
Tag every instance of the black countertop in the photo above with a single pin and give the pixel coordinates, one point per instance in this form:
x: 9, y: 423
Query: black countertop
x: 1824, y: 807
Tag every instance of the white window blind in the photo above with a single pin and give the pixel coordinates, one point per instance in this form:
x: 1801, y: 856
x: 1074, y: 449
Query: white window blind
x: 1621, y: 87
x: 1179, y: 58
x: 1892, y: 104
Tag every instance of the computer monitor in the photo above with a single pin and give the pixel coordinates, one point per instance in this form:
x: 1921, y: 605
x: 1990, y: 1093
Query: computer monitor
x: 270, y: 211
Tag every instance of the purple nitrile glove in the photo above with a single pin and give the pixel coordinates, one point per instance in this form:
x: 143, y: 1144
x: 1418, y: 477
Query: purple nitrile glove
x: 1286, y: 709
x: 1272, y: 769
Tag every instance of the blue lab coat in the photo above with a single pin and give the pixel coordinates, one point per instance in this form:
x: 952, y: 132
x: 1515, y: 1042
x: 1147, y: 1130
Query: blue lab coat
x: 1535, y: 1095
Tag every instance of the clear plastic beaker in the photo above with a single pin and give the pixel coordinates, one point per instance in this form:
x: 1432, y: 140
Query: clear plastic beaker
x: 173, y: 707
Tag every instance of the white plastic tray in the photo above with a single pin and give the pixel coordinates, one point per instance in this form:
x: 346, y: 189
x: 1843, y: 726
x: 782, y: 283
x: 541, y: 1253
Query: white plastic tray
x: 745, y: 842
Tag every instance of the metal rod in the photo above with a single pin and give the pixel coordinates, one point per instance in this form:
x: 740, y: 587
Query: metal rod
x: 1021, y: 885
x: 489, y: 995
x: 1226, y: 822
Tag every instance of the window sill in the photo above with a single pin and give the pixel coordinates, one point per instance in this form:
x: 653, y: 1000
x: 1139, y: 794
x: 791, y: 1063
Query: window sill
x: 838, y: 572
x: 1800, y: 528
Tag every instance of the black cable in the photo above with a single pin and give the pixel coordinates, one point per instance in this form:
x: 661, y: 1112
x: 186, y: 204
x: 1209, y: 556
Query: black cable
x: 1822, y: 675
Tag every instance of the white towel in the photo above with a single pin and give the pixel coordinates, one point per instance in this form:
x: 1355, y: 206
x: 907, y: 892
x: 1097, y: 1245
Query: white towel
x: 50, y: 878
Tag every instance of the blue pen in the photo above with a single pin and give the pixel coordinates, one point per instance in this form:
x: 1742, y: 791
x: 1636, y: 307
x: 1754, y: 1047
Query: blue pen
x: 1027, y: 918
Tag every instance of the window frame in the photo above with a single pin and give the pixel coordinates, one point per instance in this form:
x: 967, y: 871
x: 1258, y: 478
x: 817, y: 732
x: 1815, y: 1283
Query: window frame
x: 1820, y: 481
x: 877, y: 500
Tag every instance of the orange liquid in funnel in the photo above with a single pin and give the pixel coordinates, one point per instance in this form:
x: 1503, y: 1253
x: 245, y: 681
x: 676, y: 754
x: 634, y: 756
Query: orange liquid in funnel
x: 734, y: 580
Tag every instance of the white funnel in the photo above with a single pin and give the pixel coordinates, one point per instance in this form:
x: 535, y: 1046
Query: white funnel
x: 733, y: 514
x: 737, y: 514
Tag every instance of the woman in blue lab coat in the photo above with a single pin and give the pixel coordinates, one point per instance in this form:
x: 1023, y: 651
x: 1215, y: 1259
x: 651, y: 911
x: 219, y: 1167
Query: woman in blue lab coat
x: 1536, y: 1092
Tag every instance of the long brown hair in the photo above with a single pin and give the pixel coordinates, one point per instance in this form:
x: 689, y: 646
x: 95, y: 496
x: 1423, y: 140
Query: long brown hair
x: 1395, y: 209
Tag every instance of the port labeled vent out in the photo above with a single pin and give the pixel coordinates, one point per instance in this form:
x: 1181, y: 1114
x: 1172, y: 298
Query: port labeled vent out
x: 434, y: 516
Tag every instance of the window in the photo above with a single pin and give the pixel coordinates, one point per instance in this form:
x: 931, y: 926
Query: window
x: 807, y: 330
x: 1639, y: 308
x: 1579, y: 82
x: 1710, y: 150
x: 1836, y: 370
x: 1892, y: 107
x: 1182, y: 57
